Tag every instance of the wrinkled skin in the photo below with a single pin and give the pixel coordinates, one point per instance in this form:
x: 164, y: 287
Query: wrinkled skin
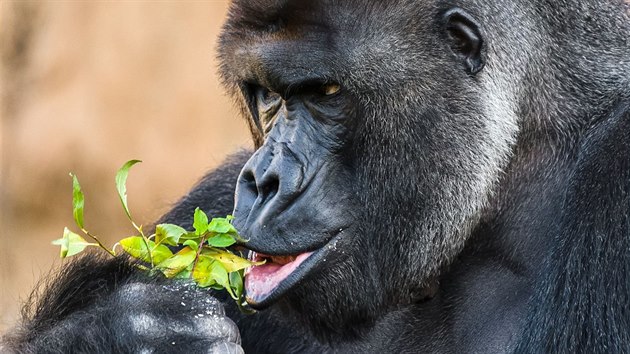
x: 459, y: 170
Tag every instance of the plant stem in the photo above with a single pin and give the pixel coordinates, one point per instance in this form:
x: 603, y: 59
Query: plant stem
x: 203, y: 239
x: 100, y: 244
x: 145, y: 240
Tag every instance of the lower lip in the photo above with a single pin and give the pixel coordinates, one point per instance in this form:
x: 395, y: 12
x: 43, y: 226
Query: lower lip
x: 262, y: 280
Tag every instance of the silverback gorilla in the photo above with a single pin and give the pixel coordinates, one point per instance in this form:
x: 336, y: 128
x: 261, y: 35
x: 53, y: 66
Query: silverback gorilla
x: 438, y: 176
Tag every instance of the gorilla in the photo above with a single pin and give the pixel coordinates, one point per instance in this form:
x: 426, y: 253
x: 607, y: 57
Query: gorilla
x: 438, y: 176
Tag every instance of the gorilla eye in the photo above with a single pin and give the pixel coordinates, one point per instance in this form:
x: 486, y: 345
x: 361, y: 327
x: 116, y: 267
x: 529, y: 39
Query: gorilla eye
x: 466, y: 40
x: 267, y: 104
x: 267, y: 98
x: 330, y: 89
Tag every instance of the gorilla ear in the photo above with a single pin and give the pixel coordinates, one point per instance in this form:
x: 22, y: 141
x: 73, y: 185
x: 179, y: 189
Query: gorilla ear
x: 466, y: 41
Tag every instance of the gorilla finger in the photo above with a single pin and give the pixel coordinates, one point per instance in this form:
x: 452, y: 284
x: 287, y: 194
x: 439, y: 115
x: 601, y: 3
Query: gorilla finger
x: 219, y: 327
x: 225, y: 348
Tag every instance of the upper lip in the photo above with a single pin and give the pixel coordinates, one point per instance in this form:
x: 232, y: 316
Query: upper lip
x: 257, y: 239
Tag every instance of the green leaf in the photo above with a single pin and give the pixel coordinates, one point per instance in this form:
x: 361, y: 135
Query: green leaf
x: 71, y: 243
x: 209, y: 272
x: 192, y: 244
x: 230, y: 262
x: 200, y: 222
x: 174, y: 265
x: 160, y: 253
x: 201, y: 273
x: 191, y: 236
x: 78, y: 202
x: 121, y: 183
x: 217, y: 287
x: 236, y: 282
x: 136, y: 247
x: 185, y: 274
x: 221, y: 226
x: 221, y: 240
x: 168, y: 234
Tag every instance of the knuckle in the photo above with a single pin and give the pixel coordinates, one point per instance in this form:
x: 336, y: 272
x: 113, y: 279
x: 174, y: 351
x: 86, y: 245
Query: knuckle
x: 219, y: 327
x: 224, y: 347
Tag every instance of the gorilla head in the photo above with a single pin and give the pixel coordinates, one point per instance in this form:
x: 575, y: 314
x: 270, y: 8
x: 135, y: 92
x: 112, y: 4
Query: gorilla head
x: 383, y: 130
x: 359, y: 127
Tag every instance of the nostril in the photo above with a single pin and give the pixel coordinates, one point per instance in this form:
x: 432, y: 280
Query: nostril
x: 249, y: 181
x: 263, y: 189
x: 269, y: 188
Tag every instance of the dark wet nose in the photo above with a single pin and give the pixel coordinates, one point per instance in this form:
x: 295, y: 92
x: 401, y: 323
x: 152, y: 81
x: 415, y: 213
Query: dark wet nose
x: 258, y: 184
x: 269, y: 181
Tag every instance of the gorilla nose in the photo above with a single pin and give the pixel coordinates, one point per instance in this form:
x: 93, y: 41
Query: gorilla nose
x: 269, y: 181
x: 263, y: 188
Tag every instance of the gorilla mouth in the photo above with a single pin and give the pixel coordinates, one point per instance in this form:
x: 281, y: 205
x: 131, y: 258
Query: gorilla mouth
x: 266, y: 282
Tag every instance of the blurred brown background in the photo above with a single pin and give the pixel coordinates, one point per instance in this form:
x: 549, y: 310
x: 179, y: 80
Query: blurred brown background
x: 86, y: 86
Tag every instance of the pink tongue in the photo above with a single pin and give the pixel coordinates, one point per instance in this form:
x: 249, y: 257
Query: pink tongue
x: 261, y: 280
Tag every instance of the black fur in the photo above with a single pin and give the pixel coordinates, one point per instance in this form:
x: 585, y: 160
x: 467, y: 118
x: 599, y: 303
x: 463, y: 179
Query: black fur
x: 582, y: 302
x: 480, y: 180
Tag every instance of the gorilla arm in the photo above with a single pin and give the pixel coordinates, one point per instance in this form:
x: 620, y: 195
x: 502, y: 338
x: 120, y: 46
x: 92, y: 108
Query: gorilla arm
x: 99, y: 305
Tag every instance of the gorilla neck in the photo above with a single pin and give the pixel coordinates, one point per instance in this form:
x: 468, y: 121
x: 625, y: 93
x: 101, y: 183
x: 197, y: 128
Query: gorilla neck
x: 533, y: 185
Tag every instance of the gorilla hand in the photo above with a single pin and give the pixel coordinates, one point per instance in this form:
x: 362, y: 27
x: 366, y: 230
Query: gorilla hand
x: 173, y: 318
x: 99, y: 305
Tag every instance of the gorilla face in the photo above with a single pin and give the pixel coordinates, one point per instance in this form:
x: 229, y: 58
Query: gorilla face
x: 377, y: 148
x: 294, y: 195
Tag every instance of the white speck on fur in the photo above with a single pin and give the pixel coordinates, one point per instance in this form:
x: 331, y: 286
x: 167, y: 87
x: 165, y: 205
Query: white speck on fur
x: 143, y: 323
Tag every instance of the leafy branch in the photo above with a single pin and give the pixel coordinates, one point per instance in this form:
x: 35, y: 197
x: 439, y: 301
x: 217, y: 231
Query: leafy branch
x: 201, y: 255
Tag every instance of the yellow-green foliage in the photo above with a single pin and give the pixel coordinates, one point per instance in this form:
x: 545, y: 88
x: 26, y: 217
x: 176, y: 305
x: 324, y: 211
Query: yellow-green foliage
x: 202, y: 254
